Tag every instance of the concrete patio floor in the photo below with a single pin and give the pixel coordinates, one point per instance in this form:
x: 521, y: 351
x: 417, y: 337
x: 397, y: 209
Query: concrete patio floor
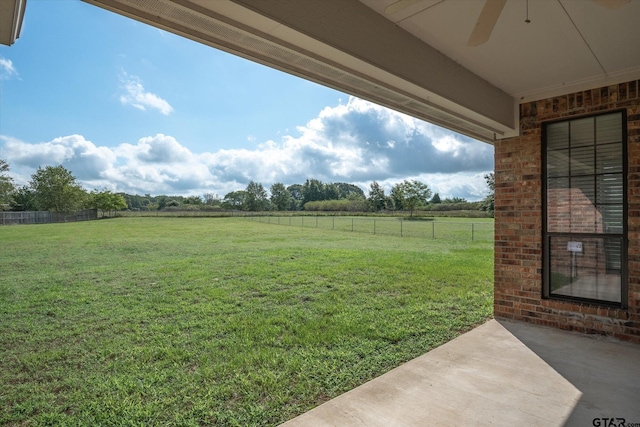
x: 502, y: 373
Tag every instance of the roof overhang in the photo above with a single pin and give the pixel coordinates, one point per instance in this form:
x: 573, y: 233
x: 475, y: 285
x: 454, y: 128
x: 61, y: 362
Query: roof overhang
x: 417, y: 61
x: 11, y: 16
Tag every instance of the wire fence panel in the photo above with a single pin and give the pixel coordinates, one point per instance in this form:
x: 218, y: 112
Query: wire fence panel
x: 44, y: 217
x: 481, y: 231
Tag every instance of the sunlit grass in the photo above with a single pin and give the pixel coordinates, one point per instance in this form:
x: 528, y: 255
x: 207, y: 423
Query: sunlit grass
x: 192, y: 321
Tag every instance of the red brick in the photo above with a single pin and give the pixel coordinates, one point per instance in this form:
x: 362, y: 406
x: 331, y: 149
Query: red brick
x: 518, y: 218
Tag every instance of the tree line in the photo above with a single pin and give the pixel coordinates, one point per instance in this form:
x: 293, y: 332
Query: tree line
x: 54, y: 188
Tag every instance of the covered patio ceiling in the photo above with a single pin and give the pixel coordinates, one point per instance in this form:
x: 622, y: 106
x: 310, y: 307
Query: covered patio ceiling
x: 414, y: 55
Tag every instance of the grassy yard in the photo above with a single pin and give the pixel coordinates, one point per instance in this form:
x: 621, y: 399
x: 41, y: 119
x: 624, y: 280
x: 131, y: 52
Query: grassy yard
x: 217, y: 321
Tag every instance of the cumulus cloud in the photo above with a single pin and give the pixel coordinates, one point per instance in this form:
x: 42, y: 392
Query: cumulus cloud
x: 356, y: 142
x: 7, y: 68
x: 136, y: 96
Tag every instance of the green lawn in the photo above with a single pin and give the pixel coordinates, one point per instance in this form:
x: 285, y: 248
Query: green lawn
x: 217, y: 321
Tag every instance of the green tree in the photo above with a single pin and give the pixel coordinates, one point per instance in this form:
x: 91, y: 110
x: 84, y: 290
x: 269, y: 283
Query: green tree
x: 234, y: 200
x: 435, y: 199
x: 295, y: 190
x: 162, y: 202
x: 256, y: 197
x: 193, y: 200
x: 488, y: 204
x: 106, y: 201
x: 413, y: 194
x: 332, y: 192
x: 280, y: 197
x: 377, y: 198
x: 312, y: 190
x: 452, y: 200
x: 211, y: 199
x: 23, y: 199
x: 347, y: 190
x: 397, y: 197
x: 6, y: 184
x: 56, y: 190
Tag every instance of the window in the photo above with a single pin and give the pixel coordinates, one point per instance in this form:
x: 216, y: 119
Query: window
x: 585, y: 209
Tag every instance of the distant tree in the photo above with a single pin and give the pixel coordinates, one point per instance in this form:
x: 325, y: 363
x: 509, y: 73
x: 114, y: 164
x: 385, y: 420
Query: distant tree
x: 413, y: 194
x: 377, y: 198
x: 280, y: 197
x: 161, y: 201
x: 488, y: 204
x: 23, y: 199
x: 172, y: 203
x: 312, y: 190
x: 7, y: 186
x: 135, y: 202
x: 256, y: 197
x: 295, y: 190
x: 453, y: 200
x: 210, y: 199
x: 234, y: 200
x: 56, y: 190
x: 347, y: 189
x: 332, y: 192
x: 435, y: 199
x: 193, y: 200
x: 490, y: 178
x: 106, y: 201
x: 397, y: 197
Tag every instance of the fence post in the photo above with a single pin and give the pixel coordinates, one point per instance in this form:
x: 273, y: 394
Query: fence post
x: 400, y: 227
x: 433, y: 230
x: 352, y: 224
x: 316, y: 221
x: 374, y: 226
x: 333, y: 223
x: 472, y: 229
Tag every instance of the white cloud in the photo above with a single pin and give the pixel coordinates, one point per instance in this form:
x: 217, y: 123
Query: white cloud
x: 356, y: 142
x: 135, y: 95
x: 7, y: 69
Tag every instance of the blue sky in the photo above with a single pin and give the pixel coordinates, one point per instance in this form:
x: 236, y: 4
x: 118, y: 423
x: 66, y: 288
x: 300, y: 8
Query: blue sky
x: 131, y: 108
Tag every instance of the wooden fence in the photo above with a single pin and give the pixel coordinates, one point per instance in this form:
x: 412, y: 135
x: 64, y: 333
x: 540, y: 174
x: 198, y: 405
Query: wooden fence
x: 43, y: 217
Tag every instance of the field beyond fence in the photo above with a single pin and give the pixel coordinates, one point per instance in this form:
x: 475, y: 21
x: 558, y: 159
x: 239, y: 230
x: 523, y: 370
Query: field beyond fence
x: 427, y: 228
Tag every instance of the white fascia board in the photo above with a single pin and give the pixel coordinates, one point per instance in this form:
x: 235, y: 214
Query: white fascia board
x: 11, y: 17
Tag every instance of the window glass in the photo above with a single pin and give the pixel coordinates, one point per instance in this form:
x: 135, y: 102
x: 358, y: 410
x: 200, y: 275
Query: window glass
x: 586, y: 268
x: 608, y: 128
x: 558, y: 136
x: 582, y: 132
x: 585, y: 208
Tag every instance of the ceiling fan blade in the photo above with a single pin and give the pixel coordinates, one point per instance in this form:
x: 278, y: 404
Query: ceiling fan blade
x: 612, y: 4
x: 486, y: 21
x: 398, y: 6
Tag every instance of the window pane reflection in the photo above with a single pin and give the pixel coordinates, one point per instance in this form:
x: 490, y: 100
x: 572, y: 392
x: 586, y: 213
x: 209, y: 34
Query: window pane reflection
x: 586, y: 267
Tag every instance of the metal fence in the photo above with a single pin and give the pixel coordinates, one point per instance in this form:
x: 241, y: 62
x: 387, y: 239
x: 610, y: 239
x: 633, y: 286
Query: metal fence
x: 403, y: 227
x: 44, y: 217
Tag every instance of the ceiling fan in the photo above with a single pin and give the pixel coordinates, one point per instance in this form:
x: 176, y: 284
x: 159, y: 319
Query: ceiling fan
x: 489, y: 16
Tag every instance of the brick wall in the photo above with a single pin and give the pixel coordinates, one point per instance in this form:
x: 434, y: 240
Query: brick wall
x: 518, y: 218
